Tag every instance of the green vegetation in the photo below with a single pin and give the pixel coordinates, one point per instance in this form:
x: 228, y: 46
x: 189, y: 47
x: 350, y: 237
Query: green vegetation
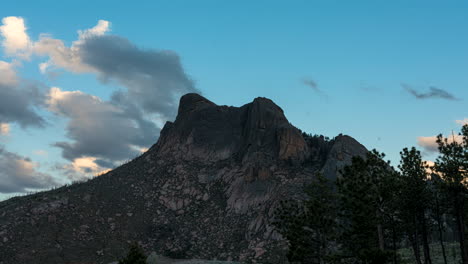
x: 452, y: 250
x: 135, y: 255
x: 377, y: 214
x: 310, y: 227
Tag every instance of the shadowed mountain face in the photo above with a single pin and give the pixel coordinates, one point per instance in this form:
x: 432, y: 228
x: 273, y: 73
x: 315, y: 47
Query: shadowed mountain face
x: 206, y: 190
x: 257, y: 132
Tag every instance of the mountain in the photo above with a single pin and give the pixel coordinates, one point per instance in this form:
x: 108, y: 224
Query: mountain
x: 206, y: 190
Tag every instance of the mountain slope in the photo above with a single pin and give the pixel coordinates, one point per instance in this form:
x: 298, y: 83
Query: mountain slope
x: 207, y: 190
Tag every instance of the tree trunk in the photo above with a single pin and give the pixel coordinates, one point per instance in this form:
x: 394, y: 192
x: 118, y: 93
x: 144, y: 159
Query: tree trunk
x: 415, y: 245
x: 459, y: 216
x: 439, y: 226
x: 381, y: 237
x: 427, y: 254
x: 395, y: 257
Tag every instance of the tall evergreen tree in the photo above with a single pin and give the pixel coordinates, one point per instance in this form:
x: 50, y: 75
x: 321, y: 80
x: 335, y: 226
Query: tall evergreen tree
x: 452, y: 165
x: 390, y: 192
x: 415, y: 200
x: 309, y: 226
x: 362, y: 208
x: 439, y: 208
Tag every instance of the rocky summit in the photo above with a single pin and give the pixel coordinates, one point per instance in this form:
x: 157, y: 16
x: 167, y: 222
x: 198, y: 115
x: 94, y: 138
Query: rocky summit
x: 206, y: 190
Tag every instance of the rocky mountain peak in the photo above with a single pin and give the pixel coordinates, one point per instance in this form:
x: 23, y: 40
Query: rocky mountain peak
x: 193, y: 102
x: 256, y: 131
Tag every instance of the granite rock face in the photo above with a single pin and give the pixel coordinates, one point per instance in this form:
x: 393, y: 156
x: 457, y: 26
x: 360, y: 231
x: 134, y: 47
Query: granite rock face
x: 206, y: 190
x: 206, y: 132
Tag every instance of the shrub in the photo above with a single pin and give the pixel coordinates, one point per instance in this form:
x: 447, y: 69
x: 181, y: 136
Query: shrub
x: 135, y: 255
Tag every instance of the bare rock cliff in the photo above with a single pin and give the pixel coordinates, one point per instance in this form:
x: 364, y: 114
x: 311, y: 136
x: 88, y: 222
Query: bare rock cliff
x: 206, y: 132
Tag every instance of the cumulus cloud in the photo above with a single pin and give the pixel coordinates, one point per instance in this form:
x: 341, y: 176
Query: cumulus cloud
x: 60, y: 56
x: 462, y: 122
x: 7, y: 74
x: 19, y: 174
x: 19, y: 99
x: 16, y: 41
x: 430, y: 145
x: 104, y: 132
x: 432, y: 93
x: 101, y: 130
x: 154, y: 79
x: 68, y: 58
x: 117, y: 129
x: 100, y: 29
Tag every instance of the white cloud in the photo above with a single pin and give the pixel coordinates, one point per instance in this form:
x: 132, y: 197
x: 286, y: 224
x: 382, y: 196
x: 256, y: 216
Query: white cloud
x: 71, y: 103
x: 19, y: 98
x: 69, y: 58
x: 100, y: 29
x: 16, y: 41
x: 19, y: 174
x: 430, y: 144
x: 4, y: 129
x: 82, y: 168
x: 87, y: 165
x: 154, y: 79
x: 462, y: 122
x: 7, y: 74
x: 430, y: 165
x: 59, y: 55
x: 109, y: 131
x: 99, y: 129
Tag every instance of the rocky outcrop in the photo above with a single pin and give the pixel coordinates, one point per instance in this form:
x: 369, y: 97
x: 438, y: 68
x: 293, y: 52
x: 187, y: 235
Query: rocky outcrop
x: 206, y: 132
x: 342, y: 151
x: 206, y: 190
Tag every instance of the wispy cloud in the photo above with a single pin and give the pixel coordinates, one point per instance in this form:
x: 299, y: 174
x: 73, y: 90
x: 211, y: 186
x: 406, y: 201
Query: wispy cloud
x: 313, y: 84
x: 433, y: 92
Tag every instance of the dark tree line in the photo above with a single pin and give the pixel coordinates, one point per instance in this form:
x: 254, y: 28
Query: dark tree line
x: 373, y: 209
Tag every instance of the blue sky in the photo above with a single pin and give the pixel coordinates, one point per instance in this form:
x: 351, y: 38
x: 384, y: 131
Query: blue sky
x: 361, y: 59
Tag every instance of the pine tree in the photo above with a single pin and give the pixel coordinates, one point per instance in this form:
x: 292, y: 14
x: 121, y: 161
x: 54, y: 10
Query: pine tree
x: 415, y: 200
x: 452, y: 165
x: 439, y: 208
x: 310, y: 225
x: 363, y: 205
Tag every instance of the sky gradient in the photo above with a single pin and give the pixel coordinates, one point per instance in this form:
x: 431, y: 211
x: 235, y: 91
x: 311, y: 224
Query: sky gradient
x: 85, y: 86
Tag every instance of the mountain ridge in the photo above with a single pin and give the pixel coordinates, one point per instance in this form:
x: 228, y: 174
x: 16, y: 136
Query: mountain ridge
x: 207, y: 189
